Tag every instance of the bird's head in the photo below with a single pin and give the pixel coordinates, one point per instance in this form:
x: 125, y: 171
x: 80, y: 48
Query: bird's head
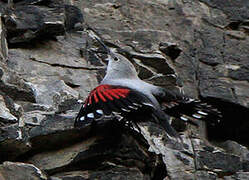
x: 118, y: 65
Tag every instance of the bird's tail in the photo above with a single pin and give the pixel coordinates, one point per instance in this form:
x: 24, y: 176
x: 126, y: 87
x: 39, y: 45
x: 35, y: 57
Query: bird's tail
x: 189, y: 110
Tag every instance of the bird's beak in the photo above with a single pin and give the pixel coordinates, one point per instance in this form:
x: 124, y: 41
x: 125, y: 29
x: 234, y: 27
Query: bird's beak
x: 109, y: 57
x: 95, y: 36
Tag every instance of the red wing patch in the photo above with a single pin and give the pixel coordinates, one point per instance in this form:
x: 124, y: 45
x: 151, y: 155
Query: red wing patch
x: 107, y: 100
x: 106, y: 92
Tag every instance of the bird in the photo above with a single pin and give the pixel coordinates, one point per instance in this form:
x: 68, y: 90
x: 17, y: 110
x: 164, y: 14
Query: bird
x: 122, y: 93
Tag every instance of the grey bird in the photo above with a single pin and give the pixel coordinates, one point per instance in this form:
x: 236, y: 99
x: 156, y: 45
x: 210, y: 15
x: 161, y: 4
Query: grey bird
x: 123, y: 93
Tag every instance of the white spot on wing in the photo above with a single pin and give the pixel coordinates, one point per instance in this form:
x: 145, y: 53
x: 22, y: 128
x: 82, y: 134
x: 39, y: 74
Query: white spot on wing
x: 80, y: 101
x: 148, y: 104
x: 189, y: 100
x: 123, y: 109
x: 99, y: 111
x: 196, y: 116
x: 135, y: 104
x: 202, y: 113
x: 90, y: 115
x: 82, y: 118
x: 183, y: 118
x: 204, y: 104
x: 132, y: 107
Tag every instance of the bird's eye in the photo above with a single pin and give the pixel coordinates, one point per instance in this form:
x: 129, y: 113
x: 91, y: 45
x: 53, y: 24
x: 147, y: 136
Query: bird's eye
x: 115, y: 58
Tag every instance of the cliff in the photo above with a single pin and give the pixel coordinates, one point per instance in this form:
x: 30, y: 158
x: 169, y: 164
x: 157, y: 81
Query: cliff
x: 47, y: 64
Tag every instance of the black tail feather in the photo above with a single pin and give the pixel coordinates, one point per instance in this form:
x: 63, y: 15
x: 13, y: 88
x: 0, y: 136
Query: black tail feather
x: 195, y: 109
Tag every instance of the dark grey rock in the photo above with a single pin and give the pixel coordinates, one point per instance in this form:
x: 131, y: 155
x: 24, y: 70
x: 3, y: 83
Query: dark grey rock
x: 210, y: 158
x: 13, y: 107
x: 155, y: 61
x: 238, y: 176
x: 237, y: 149
x: 60, y: 69
x: 99, y: 149
x: 177, y: 156
x: 12, y: 142
x: 33, y: 2
x: 114, y: 173
x: 218, y: 162
x: 120, y: 173
x: 27, y: 106
x: 234, y: 10
x: 25, y: 23
x: 68, y: 105
x: 204, y: 175
x: 240, y: 74
x: 20, y: 171
x: 1, y: 73
x: 5, y: 114
x: 211, y: 50
x: 33, y: 118
x: 3, y: 41
x: 14, y: 86
x: 52, y: 160
x: 170, y: 49
x: 9, y: 132
x: 74, y: 18
x: 241, y: 151
x: 51, y: 123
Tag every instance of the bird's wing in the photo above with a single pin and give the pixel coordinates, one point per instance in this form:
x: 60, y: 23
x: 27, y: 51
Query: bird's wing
x: 107, y: 100
x: 180, y: 106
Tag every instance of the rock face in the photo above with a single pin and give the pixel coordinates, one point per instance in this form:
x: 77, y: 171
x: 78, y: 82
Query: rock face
x: 8, y: 171
x: 49, y: 64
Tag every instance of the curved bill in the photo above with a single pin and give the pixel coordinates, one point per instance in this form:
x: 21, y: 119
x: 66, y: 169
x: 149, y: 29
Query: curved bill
x: 95, y: 36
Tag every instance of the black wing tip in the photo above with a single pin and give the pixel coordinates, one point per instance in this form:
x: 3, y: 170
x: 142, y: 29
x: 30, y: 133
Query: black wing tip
x: 189, y: 110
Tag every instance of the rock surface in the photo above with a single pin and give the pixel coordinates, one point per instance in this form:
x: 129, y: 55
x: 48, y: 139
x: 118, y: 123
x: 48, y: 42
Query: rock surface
x: 49, y: 64
x: 8, y: 171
